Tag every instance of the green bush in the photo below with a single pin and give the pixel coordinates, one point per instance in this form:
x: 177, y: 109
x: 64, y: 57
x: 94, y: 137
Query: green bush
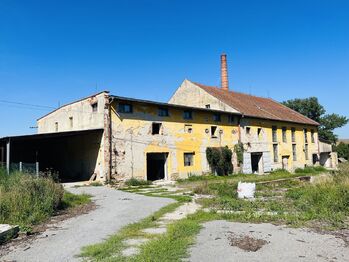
x: 137, y: 182
x: 27, y: 200
x: 219, y: 159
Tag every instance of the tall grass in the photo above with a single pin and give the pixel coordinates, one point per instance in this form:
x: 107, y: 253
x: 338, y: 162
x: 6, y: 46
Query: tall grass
x: 26, y: 200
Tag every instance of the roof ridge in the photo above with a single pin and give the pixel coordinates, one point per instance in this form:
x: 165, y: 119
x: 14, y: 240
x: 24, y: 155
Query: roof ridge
x: 230, y: 91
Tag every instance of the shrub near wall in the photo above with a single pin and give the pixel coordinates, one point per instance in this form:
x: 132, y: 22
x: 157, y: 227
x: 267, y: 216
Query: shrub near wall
x: 26, y: 200
x: 219, y: 159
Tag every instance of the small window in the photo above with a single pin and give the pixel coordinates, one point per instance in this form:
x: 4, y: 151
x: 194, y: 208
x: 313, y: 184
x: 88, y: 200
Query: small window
x: 305, y: 135
x: 213, y: 131
x: 189, y: 159
x: 284, y: 134
x: 293, y: 130
x: 125, y: 108
x: 294, y: 152
x: 275, y: 151
x: 94, y: 107
x: 188, y: 114
x: 56, y: 126
x: 188, y: 129
x: 71, y: 123
x: 275, y: 135
x: 208, y: 106
x: 248, y: 130
x: 231, y: 119
x: 155, y: 129
x: 312, y: 136
x: 163, y: 112
x: 217, y: 117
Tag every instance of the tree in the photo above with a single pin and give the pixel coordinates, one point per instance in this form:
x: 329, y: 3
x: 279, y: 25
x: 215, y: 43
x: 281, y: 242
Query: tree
x: 311, y: 108
x: 343, y: 150
x: 219, y: 159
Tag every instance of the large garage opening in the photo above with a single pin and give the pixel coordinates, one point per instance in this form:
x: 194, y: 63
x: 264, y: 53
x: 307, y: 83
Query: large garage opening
x: 156, y: 166
x: 257, y: 163
x: 72, y: 156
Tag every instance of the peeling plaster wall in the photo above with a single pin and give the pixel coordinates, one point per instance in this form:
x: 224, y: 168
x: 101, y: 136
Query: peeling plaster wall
x: 80, y: 111
x: 263, y: 143
x: 191, y: 95
x: 133, y: 139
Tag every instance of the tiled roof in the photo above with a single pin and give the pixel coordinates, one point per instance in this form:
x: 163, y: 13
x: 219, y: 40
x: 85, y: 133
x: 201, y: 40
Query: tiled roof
x: 255, y: 106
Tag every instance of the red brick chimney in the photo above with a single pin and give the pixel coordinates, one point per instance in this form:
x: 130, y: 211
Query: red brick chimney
x: 224, y: 73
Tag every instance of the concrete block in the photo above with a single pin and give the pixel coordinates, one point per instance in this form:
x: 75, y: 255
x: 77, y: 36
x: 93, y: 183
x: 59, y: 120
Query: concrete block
x: 7, y: 232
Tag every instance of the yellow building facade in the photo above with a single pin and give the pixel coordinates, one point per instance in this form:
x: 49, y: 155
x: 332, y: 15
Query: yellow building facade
x: 162, y: 141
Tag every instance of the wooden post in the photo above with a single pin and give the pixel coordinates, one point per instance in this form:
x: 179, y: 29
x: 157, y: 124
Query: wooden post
x: 8, y: 156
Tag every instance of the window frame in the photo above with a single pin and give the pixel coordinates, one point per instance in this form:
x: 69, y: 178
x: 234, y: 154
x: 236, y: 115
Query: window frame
x: 122, y: 106
x: 217, y: 117
x: 190, y: 117
x: 163, y: 109
x: 191, y: 161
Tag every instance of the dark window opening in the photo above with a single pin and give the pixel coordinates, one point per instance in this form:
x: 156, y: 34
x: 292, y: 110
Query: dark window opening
x: 275, y: 135
x: 305, y: 135
x: 125, y: 108
x: 155, y: 129
x: 284, y: 134
x: 231, y: 119
x: 259, y: 131
x: 248, y: 130
x: 312, y: 136
x: 208, y: 106
x: 189, y: 159
x: 294, y: 152
x: 163, y: 112
x: 213, y: 131
x: 217, y: 117
x: 188, y: 114
x: 293, y: 135
x: 94, y: 107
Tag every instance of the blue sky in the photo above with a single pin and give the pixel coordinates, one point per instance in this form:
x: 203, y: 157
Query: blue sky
x: 53, y: 52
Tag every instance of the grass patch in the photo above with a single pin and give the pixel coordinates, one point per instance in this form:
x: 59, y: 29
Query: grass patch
x: 111, y: 248
x: 137, y: 182
x: 71, y: 200
x: 96, y: 183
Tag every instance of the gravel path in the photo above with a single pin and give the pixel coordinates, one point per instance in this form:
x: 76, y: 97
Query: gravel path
x: 115, y: 209
x: 280, y: 244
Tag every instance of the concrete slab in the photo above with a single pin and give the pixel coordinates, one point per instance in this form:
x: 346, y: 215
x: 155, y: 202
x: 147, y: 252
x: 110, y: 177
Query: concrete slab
x: 7, y: 232
x: 130, y: 251
x: 155, y: 230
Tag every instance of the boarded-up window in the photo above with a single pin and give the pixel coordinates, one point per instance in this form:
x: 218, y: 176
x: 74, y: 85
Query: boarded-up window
x: 312, y: 136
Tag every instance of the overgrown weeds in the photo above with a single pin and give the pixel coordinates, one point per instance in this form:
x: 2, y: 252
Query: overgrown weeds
x: 27, y: 200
